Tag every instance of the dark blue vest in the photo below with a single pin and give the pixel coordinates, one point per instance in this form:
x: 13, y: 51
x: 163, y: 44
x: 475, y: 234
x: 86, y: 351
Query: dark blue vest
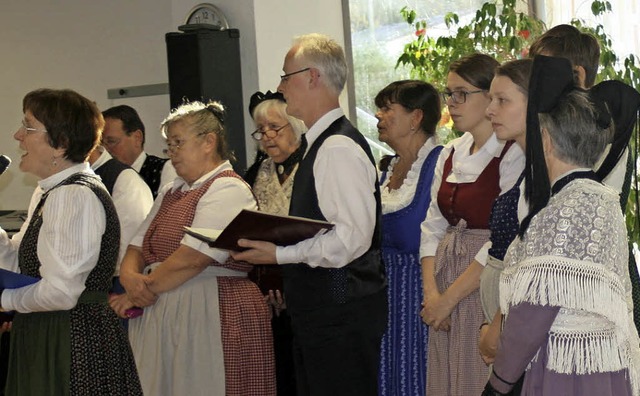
x: 310, y: 288
x: 109, y: 172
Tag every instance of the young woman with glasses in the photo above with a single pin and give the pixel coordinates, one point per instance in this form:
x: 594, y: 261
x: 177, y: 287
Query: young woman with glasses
x: 471, y: 172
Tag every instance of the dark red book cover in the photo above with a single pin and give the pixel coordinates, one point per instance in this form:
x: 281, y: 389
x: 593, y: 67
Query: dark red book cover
x: 260, y: 226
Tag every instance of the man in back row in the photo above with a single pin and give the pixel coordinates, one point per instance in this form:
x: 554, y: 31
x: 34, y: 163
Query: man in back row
x: 131, y: 196
x: 124, y: 138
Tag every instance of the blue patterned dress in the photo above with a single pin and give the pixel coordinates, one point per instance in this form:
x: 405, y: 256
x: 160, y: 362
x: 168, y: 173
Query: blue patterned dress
x: 503, y: 222
x: 504, y: 226
x: 403, y: 357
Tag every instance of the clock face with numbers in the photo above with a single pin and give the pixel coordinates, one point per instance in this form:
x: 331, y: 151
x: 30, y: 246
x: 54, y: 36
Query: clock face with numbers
x: 207, y: 14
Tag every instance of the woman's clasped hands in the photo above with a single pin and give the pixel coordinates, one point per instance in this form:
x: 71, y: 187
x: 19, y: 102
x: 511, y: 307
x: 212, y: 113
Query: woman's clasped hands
x: 138, y: 294
x: 436, y: 311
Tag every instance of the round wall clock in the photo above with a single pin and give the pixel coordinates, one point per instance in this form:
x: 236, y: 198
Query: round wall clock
x: 206, y: 15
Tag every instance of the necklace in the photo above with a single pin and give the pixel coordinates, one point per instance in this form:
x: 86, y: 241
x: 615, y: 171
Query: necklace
x: 287, y: 165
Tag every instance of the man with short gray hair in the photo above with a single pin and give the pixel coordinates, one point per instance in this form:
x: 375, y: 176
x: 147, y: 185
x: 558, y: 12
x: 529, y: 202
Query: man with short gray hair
x: 334, y: 283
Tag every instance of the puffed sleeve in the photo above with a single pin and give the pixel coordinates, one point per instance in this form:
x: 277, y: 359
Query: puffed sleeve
x: 434, y: 225
x: 73, y: 222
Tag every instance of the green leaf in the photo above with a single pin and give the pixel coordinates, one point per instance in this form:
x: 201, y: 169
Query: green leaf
x: 491, y: 9
x: 599, y: 7
x: 412, y: 17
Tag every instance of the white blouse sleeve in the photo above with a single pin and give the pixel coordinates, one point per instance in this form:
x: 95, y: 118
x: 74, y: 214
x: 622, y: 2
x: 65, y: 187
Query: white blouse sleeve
x: 9, y: 246
x: 345, y: 182
x: 73, y: 222
x: 133, y: 200
x: 483, y: 253
x: 226, y: 197
x: 434, y: 225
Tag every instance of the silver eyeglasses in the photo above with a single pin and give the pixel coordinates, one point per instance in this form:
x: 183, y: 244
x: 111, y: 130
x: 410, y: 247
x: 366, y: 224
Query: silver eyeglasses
x: 30, y: 130
x: 269, y: 131
x: 177, y: 144
x: 458, y: 97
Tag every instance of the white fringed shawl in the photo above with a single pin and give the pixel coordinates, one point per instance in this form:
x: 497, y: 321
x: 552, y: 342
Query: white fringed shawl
x: 574, y: 256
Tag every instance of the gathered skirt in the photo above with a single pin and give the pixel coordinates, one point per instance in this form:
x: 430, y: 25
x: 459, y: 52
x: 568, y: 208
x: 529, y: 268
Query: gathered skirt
x: 209, y: 336
x: 83, y: 351
x: 454, y: 366
x: 403, y: 357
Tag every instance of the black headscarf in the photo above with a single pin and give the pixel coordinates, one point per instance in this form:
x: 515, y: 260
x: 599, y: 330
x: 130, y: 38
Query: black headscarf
x: 615, y: 101
x: 260, y: 97
x: 550, y: 79
x: 623, y: 103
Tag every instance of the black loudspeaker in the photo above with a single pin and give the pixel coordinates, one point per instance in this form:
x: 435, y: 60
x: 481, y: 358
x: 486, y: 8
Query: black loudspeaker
x: 204, y: 65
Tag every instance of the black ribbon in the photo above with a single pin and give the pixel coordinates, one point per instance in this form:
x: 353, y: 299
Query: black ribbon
x: 217, y: 111
x: 285, y: 167
x: 560, y: 184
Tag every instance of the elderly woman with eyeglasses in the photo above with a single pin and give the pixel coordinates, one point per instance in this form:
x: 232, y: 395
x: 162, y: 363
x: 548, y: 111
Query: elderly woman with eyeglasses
x: 279, y: 135
x: 271, y: 177
x: 471, y: 172
x: 205, y: 326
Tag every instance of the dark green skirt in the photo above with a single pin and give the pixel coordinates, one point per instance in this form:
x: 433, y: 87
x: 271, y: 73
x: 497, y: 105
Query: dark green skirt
x: 83, y: 351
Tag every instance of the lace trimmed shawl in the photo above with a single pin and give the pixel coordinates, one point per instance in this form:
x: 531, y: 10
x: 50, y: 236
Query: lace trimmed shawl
x: 574, y: 256
x: 272, y: 196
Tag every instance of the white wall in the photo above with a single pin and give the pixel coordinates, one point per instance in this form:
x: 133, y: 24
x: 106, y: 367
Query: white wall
x: 82, y: 45
x: 92, y: 46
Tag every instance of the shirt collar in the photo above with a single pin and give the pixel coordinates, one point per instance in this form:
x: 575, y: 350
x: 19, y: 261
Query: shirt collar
x: 493, y: 146
x: 137, y: 164
x: 104, y: 157
x: 54, y: 180
x: 430, y: 144
x: 322, y: 124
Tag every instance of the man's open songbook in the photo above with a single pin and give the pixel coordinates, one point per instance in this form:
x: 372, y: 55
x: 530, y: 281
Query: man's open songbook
x: 260, y: 226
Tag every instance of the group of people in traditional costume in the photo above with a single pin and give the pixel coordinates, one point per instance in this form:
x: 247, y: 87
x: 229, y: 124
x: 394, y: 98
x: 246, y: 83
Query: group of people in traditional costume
x: 524, y: 235
x: 494, y: 264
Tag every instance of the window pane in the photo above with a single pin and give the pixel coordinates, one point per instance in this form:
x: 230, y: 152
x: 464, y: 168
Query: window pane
x: 378, y: 36
x: 622, y: 24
